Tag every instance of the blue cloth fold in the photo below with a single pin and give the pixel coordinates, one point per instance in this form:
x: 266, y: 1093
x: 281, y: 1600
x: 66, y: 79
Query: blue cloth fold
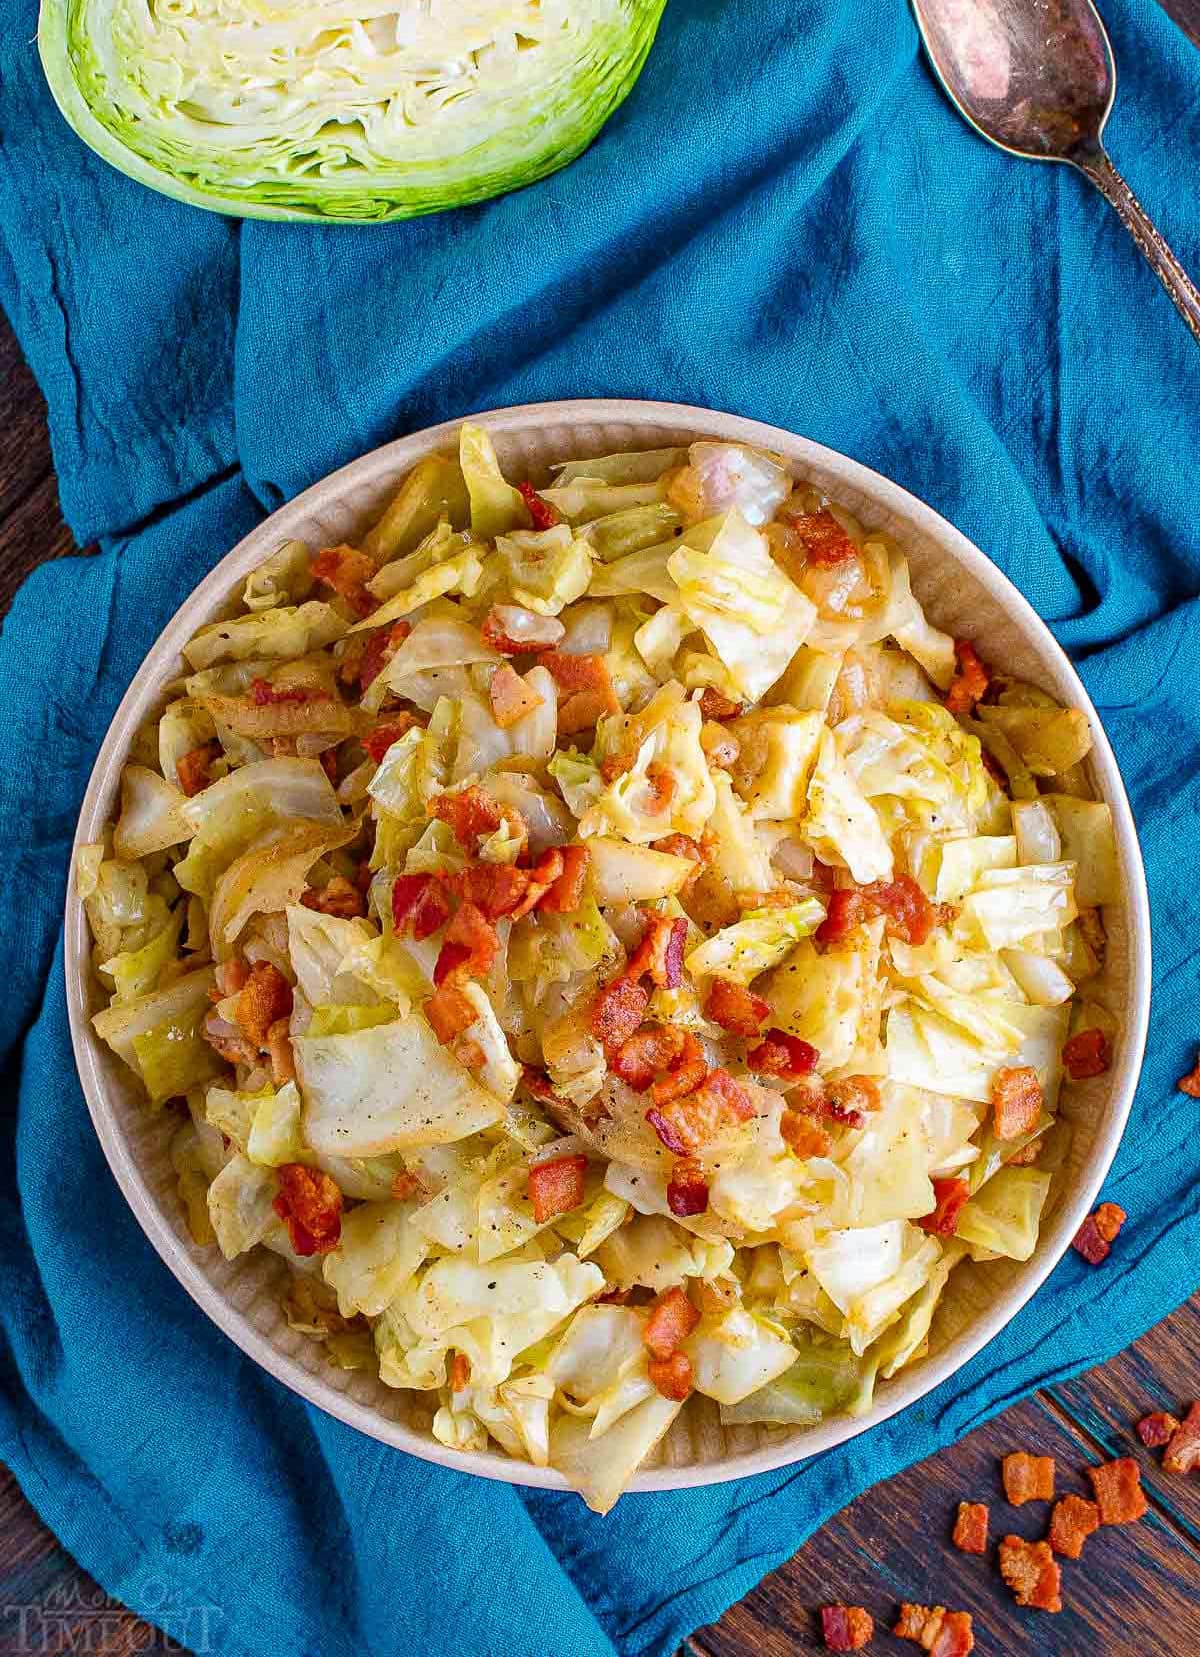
x: 786, y: 220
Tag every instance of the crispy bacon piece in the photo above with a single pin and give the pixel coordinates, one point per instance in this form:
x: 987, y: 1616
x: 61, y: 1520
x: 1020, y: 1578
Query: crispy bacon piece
x: 265, y: 997
x: 909, y: 913
x: 226, y: 1041
x: 779, y: 1054
x: 715, y: 706
x: 1098, y: 1232
x: 1032, y: 1572
x: 1016, y: 1101
x: 613, y: 766
x: 513, y: 631
x: 949, y: 1197
x: 846, y: 1627
x: 383, y: 736
x: 672, y: 1376
x: 685, y: 1073
x: 910, y: 1624
x: 1189, y: 1084
x: 279, y: 1049
x: 687, y: 1189
x: 470, y: 946
x: 470, y: 812
x: 1183, y: 1452
x: 971, y: 1527
x: 660, y: 788
x: 337, y: 897
x: 646, y: 1054
x: 847, y: 909
x: 582, y: 709
x: 565, y: 894
x: 682, y: 845
x: 971, y: 680
x: 672, y: 1319
x: 660, y: 952
x: 347, y: 572
x: 542, y: 514
x: 686, y: 1125
x: 1072, y: 1521
x: 310, y: 1204
x: 826, y: 543
x: 539, y: 1086
x: 460, y: 1372
x: 540, y: 880
x: 495, y: 888
x: 1118, y: 1489
x: 382, y: 644
x: 851, y: 1098
x: 736, y: 1008
x: 1086, y: 1054
x: 449, y: 1013
x: 405, y: 1185
x: 419, y: 905
x: 585, y: 686
x: 1028, y: 1478
x: 231, y: 976
x: 266, y: 695
x: 617, y: 1011
x: 1157, y: 1428
x: 193, y: 770
x: 556, y: 1187
x: 942, y: 1633
x: 802, y: 1136
x: 511, y: 697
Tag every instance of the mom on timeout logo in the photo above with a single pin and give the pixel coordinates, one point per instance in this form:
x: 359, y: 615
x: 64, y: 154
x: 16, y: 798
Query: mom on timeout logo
x: 79, y: 1618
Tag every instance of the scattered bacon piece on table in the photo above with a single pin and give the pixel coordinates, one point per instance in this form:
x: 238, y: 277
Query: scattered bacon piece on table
x: 826, y: 543
x: 337, y: 897
x: 846, y: 1627
x: 971, y: 680
x: 383, y: 737
x: 1028, y: 1478
x: 193, y: 770
x: 542, y: 514
x: 950, y: 1197
x: 736, y: 1008
x: 1072, y: 1521
x: 687, y: 1190
x: 672, y: 1319
x: 1119, y: 1493
x: 346, y: 571
x: 685, y: 1073
x: 310, y: 1204
x: 382, y: 644
x: 265, y: 997
x: 646, y: 1054
x: 686, y: 1125
x: 1017, y: 1101
x: 802, y: 1136
x: 1086, y: 1054
x: 1098, y: 1232
x: 1032, y: 1572
x: 419, y: 905
x: 779, y: 1054
x: 715, y: 706
x: 671, y: 1376
x: 1189, y: 1084
x: 511, y: 697
x: 449, y: 1013
x: 1157, y: 1428
x: 618, y: 1010
x: 942, y: 1633
x: 971, y: 1527
x: 1183, y: 1452
x: 556, y: 1187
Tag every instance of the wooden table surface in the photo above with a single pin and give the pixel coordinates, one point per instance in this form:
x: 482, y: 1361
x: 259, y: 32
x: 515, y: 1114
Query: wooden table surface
x: 1136, y: 1590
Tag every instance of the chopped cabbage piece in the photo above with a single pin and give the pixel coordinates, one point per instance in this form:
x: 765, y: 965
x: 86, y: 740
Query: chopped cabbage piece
x: 1002, y: 1216
x: 841, y: 825
x: 758, y: 941
x: 734, y: 1355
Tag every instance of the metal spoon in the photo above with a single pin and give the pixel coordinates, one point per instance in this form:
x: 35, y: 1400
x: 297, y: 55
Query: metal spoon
x: 1037, y: 78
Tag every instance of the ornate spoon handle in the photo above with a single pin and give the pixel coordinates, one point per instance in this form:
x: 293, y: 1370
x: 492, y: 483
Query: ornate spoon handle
x: 1094, y: 163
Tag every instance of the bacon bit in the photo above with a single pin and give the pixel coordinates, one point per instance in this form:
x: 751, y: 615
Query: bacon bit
x: 405, y: 1185
x: 687, y: 1190
x: 660, y: 953
x: 826, y: 543
x: 382, y: 644
x: 231, y: 976
x: 266, y: 695
x: 383, y: 736
x: 573, y: 673
x: 470, y: 946
x: 347, y: 572
x: 851, y: 1098
x: 715, y: 706
x: 1032, y: 1572
x: 419, y: 904
x: 1156, y: 1429
x: 685, y: 1074
x: 910, y: 1624
x: 225, y: 1041
x: 686, y: 1125
x: 779, y: 1054
x: 1098, y: 1232
x: 582, y: 709
x: 193, y: 770
x: 540, y: 880
x: 1072, y: 1521
x: 536, y: 632
x: 617, y: 1011
x: 537, y: 1083
x: 846, y: 1627
x: 942, y: 1633
x: 279, y: 1048
x: 337, y: 897
x: 847, y: 909
x: 310, y: 1205
x: 565, y: 894
x: 460, y: 1371
x: 802, y: 1136
x: 1119, y: 1493
x: 556, y: 1187
x: 971, y: 1527
x: 541, y: 513
x: 672, y: 1319
x: 647, y: 1053
x: 1086, y: 1054
x: 449, y: 1013
x: 970, y: 682
x: 949, y: 1196
x: 1026, y: 1156
x: 1016, y: 1101
x: 1183, y: 1452
x: 736, y: 1008
x: 660, y: 787
x: 265, y: 997
x: 721, y: 747
x: 470, y: 813
x: 613, y: 766
x: 672, y: 1376
x: 1189, y: 1084
x: 1028, y: 1478
x: 910, y: 915
x: 511, y: 697
x: 495, y: 888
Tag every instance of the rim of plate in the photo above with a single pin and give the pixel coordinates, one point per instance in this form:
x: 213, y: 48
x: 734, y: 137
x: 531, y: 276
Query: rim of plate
x: 286, y: 523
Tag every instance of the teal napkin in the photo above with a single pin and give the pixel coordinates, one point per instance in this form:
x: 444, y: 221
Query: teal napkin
x: 786, y: 220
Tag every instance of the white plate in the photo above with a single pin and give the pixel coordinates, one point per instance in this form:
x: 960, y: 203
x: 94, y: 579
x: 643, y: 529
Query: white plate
x: 964, y: 593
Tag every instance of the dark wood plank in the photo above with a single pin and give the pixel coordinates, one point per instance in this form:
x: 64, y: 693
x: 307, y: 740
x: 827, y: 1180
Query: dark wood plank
x: 31, y: 526
x: 1187, y: 14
